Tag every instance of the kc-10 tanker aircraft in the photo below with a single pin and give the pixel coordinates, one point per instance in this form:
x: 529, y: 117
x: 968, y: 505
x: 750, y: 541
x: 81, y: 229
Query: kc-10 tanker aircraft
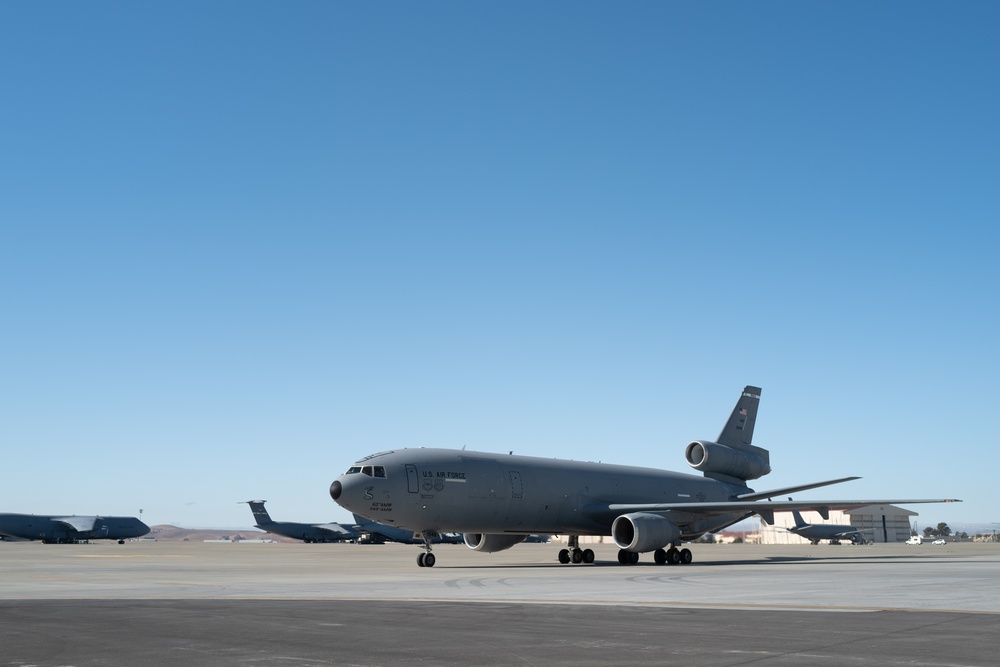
x: 497, y: 500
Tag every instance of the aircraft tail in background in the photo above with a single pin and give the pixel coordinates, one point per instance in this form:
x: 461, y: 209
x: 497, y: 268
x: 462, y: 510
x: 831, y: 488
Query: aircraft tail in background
x: 260, y: 514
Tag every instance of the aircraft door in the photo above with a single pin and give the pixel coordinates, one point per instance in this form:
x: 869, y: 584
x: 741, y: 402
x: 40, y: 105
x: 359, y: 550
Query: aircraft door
x: 412, y: 479
x: 516, y: 486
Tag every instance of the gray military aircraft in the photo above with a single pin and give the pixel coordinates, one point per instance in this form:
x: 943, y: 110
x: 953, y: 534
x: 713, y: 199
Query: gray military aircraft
x: 307, y: 532
x: 55, y: 529
x: 383, y: 532
x: 814, y: 532
x: 498, y: 500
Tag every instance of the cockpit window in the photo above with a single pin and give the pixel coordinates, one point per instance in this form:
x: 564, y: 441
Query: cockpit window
x: 371, y: 471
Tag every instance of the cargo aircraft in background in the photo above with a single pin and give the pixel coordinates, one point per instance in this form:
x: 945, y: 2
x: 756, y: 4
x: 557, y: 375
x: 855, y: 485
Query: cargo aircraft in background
x: 365, y: 530
x: 307, y: 532
x: 497, y: 500
x: 70, y: 529
x: 814, y: 532
x: 381, y: 532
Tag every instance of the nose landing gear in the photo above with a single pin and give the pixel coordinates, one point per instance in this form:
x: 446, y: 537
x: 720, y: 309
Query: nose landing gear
x: 426, y: 559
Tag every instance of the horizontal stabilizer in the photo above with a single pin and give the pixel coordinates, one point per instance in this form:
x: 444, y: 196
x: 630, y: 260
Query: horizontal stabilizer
x: 761, y: 495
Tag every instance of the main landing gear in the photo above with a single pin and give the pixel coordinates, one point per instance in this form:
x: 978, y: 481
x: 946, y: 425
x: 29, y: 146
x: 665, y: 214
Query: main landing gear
x: 575, y: 554
x: 426, y: 559
x: 671, y: 556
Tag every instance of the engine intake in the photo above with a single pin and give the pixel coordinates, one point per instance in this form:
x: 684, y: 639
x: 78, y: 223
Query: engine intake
x: 643, y: 531
x: 489, y: 543
x: 742, y: 464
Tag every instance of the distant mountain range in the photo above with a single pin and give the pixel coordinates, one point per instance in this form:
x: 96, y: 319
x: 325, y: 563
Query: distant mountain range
x: 167, y: 533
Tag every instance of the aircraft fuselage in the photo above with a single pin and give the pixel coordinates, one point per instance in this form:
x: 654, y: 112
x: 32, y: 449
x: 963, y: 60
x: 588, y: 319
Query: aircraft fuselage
x: 442, y: 490
x: 53, y: 528
x: 827, y: 531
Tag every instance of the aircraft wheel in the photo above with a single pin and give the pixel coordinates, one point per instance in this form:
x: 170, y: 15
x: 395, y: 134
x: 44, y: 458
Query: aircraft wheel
x: 633, y: 557
x: 660, y: 557
x: 686, y: 557
x: 420, y: 560
x: 121, y: 541
x: 564, y: 556
x: 623, y: 557
x: 577, y: 556
x: 673, y: 556
x: 429, y: 560
x: 588, y: 556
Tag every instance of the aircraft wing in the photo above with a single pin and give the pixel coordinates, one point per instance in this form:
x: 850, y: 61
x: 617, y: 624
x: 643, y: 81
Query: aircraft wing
x: 730, y: 506
x: 766, y: 508
x: 79, y: 523
x: 760, y: 495
x: 334, y: 528
x: 848, y: 533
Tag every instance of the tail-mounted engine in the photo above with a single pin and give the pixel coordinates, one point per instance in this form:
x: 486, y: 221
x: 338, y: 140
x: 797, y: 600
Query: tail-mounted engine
x: 490, y: 543
x: 744, y: 463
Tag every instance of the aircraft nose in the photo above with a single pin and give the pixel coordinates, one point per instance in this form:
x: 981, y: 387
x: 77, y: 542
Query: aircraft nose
x: 336, y: 489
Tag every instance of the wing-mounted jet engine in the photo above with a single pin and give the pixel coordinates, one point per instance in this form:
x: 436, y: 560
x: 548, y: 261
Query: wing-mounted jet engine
x: 491, y: 543
x: 645, y: 531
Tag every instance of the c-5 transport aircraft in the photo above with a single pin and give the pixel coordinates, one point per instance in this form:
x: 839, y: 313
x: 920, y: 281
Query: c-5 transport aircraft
x: 497, y: 500
x: 380, y: 532
x: 814, y: 532
x: 307, y: 532
x: 71, y: 529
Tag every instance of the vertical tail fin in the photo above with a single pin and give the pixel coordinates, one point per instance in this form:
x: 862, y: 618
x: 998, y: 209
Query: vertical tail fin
x: 731, y: 458
x: 738, y: 431
x: 799, y: 522
x: 260, y: 514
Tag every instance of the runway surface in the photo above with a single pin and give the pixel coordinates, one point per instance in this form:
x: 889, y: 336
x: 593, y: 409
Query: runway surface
x: 296, y: 604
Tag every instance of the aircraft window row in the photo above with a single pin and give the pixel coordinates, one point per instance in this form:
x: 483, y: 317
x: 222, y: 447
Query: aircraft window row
x: 371, y: 471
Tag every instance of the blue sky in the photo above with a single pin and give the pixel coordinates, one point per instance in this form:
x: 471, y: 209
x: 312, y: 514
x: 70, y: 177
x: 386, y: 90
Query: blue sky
x: 243, y: 244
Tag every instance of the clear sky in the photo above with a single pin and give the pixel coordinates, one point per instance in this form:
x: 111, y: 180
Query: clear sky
x: 243, y: 244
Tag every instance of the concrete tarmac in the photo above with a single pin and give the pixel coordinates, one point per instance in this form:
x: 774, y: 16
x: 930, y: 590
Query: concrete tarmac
x: 146, y: 603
